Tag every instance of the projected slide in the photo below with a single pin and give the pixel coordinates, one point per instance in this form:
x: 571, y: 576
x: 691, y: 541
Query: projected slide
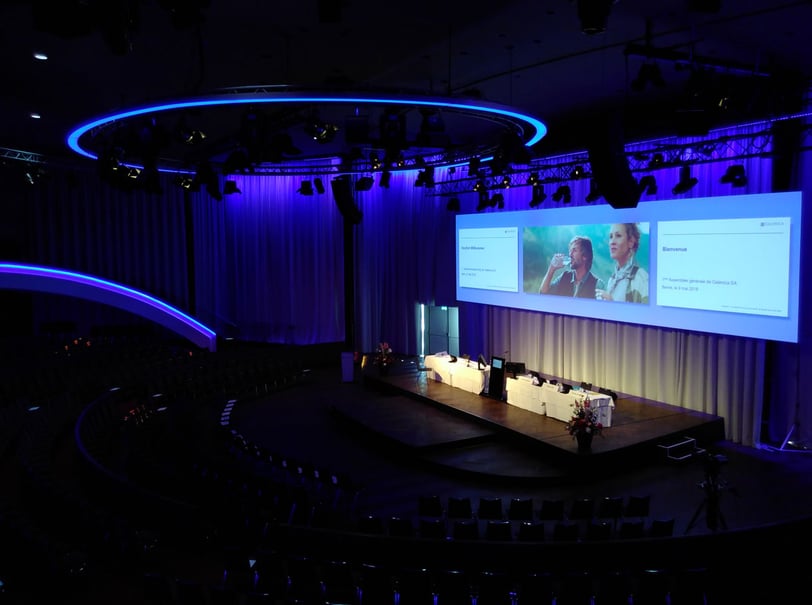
x: 488, y: 259
x: 737, y: 265
x: 723, y: 265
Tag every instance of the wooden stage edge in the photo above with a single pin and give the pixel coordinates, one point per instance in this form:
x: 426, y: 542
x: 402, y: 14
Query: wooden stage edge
x: 478, y: 434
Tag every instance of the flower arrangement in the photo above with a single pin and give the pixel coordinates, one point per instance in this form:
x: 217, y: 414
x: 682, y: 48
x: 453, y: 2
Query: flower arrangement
x: 383, y: 354
x: 584, y: 419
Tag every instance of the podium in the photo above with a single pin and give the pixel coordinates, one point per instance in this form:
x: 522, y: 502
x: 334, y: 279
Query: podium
x: 496, y: 380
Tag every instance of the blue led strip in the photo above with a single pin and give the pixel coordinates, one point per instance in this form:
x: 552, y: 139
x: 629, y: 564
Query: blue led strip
x: 59, y: 281
x: 534, y: 127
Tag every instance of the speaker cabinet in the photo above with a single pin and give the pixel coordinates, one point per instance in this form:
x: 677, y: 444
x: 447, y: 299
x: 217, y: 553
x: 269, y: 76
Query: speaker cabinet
x: 343, y: 195
x: 610, y: 167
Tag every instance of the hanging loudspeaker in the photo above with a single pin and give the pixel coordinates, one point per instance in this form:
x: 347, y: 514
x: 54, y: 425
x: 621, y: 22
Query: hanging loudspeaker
x: 342, y: 192
x: 610, y: 166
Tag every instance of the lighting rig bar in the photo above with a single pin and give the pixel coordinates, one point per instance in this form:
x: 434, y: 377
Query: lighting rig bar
x: 655, y: 156
x: 21, y: 156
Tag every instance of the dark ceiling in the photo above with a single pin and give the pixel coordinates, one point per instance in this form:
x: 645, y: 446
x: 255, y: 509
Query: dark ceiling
x: 719, y: 62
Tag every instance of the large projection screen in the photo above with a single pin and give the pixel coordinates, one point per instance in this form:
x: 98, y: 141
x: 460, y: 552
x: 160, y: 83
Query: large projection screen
x: 723, y: 265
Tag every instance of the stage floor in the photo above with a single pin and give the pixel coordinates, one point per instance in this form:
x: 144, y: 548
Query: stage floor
x: 460, y: 429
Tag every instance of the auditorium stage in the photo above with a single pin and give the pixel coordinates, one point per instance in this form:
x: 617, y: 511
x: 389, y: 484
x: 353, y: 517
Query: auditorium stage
x: 482, y: 435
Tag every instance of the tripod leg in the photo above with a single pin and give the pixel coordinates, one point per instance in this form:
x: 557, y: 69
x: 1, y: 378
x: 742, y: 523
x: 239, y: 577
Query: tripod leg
x: 696, y: 516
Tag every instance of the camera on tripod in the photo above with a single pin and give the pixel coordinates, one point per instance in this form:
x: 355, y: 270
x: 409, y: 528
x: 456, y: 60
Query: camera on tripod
x: 713, y: 466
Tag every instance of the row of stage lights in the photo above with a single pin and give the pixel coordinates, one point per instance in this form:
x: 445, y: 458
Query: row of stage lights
x: 735, y: 176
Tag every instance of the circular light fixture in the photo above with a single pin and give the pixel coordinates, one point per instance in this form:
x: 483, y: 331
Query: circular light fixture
x: 275, y: 127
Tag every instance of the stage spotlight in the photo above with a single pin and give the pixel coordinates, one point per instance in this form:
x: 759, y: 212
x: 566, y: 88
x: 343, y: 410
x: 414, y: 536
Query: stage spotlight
x: 321, y: 132
x: 538, y: 196
x: 563, y: 194
x: 306, y: 188
x: 533, y: 178
x: 453, y: 205
x: 648, y: 185
x: 594, y: 15
x: 479, y: 185
x: 686, y: 181
x: 506, y: 182
x: 319, y: 185
x: 484, y: 200
x: 375, y: 161
x: 649, y: 74
x: 193, y: 137
x: 364, y: 183
x: 656, y: 161
x: 185, y: 182
x: 735, y: 176
x: 577, y: 172
x: 425, y: 178
x: 237, y: 162
x: 386, y: 176
x: 230, y: 187
x: 594, y: 193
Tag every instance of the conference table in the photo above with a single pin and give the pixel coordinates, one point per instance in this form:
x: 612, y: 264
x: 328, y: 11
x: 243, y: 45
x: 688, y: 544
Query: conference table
x: 548, y: 399
x: 462, y: 373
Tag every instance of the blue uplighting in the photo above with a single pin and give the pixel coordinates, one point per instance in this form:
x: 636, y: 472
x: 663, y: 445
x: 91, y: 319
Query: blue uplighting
x: 534, y: 127
x: 59, y: 281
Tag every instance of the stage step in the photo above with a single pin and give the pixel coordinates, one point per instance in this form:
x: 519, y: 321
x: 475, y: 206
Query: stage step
x: 684, y: 449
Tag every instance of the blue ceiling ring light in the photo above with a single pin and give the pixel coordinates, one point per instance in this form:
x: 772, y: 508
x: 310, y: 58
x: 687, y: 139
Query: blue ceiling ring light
x: 58, y: 281
x: 530, y: 128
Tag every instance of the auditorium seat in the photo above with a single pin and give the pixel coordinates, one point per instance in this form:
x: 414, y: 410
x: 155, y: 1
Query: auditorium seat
x: 661, y: 528
x: 499, y: 530
x: 531, y: 531
x: 581, y: 509
x: 631, y: 528
x: 371, y: 524
x: 459, y: 507
x: 432, y: 528
x: 430, y: 507
x: 377, y: 583
x: 490, y: 508
x: 566, y: 530
x: 465, y: 529
x: 637, y: 506
x: 521, y: 509
x: 401, y: 527
x: 551, y: 510
x: 610, y: 508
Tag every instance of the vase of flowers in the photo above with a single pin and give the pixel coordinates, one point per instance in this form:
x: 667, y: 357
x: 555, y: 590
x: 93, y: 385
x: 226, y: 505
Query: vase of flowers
x: 383, y: 358
x: 584, y: 425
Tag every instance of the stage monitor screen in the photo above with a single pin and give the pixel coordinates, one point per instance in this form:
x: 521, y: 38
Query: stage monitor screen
x: 497, y: 363
x: 724, y: 265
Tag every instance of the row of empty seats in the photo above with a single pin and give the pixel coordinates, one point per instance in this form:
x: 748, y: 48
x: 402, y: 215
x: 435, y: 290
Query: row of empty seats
x: 295, y: 579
